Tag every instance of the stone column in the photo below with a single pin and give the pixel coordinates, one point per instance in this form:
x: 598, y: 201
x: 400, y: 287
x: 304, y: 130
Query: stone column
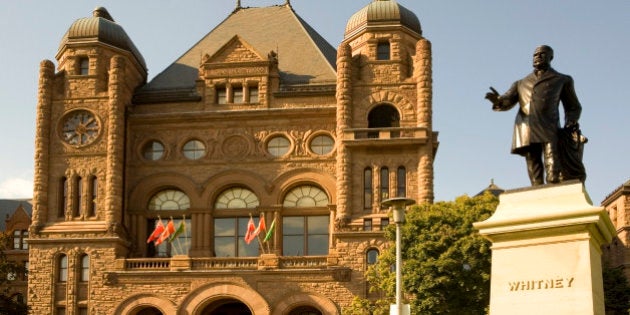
x: 546, y: 256
x: 423, y: 74
x: 115, y: 144
x: 42, y: 144
x: 344, y: 117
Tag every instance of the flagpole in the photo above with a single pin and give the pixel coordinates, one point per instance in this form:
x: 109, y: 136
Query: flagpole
x: 179, y: 244
x: 178, y: 248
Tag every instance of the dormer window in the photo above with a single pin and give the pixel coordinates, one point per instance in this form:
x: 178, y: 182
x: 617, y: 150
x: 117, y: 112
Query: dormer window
x: 253, y: 94
x: 221, y: 95
x: 237, y: 94
x: 84, y: 66
x: 383, y: 51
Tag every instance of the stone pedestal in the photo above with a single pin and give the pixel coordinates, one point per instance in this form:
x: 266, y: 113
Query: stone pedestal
x: 546, y: 256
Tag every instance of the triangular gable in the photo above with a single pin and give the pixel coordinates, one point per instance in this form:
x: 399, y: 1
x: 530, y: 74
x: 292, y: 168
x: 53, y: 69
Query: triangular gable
x: 235, y: 50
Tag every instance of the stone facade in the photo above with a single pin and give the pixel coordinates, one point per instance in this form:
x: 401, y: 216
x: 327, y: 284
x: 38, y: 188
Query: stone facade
x: 617, y: 204
x: 228, y: 132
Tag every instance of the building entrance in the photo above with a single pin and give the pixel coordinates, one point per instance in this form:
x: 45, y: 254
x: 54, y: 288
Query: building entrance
x: 227, y: 307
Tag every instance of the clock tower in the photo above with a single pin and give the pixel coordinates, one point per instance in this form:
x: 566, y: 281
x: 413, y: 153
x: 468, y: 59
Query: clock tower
x: 78, y: 194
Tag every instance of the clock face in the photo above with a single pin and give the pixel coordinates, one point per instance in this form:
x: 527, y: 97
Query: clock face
x: 80, y: 128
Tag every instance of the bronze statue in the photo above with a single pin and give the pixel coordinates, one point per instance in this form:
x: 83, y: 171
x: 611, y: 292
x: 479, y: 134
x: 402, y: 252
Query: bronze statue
x: 548, y: 149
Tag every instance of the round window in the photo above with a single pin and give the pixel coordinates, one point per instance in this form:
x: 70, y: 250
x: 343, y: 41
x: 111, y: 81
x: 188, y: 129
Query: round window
x: 278, y: 146
x: 153, y: 150
x: 194, y: 149
x: 322, y: 144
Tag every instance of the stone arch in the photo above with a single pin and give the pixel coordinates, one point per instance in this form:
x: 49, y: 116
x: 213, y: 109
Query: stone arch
x: 290, y: 179
x: 400, y: 102
x: 133, y: 303
x: 218, y: 183
x: 150, y: 185
x: 292, y: 300
x: 204, y: 296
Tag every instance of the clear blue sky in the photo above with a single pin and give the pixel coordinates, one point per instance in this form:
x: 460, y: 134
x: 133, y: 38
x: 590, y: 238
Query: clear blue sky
x: 476, y: 44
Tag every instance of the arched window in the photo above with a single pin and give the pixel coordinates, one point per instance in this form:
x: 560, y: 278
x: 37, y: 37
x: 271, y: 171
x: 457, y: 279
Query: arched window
x: 62, y: 268
x: 78, y: 197
x: 384, y: 183
x: 367, y: 188
x: 85, y: 268
x: 93, y: 195
x: 174, y: 203
x: 305, y: 235
x: 306, y: 196
x: 169, y: 199
x: 229, y: 228
x: 401, y: 182
x: 383, y: 116
x: 236, y: 197
x: 63, y: 197
x: 371, y: 256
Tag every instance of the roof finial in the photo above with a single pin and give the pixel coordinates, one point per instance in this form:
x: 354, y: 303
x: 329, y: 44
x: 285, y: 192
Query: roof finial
x: 238, y: 4
x: 102, y: 12
x: 288, y: 3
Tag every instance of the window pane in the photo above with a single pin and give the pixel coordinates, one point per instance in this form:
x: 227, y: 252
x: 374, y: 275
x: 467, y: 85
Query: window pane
x: 229, y: 240
x: 367, y: 188
x: 293, y: 245
x: 238, y: 94
x: 384, y: 183
x: 318, y: 225
x: 63, y: 268
x: 153, y: 151
x: 221, y: 95
x: 85, y: 268
x: 322, y: 144
x: 401, y: 182
x: 253, y: 94
x: 293, y: 225
x: 371, y: 256
x: 382, y: 52
x: 317, y: 245
x: 84, y: 65
x: 278, y: 146
x: 225, y: 227
x: 224, y: 246
x: 194, y: 150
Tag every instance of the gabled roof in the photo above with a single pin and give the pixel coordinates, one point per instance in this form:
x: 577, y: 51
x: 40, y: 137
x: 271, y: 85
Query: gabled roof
x: 304, y: 56
x: 9, y: 206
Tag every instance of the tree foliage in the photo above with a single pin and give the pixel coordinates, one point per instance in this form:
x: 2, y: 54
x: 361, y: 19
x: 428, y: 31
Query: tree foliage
x: 446, y: 263
x: 616, y: 291
x: 9, y: 305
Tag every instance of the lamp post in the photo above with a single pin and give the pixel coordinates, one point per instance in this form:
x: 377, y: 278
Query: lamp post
x: 398, y: 205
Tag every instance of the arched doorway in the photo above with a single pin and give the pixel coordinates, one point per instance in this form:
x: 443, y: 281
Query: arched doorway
x: 149, y: 311
x: 305, y: 310
x: 226, y: 307
x: 382, y: 116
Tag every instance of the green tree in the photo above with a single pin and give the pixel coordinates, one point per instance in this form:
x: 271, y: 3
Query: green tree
x: 616, y: 291
x: 446, y: 263
x: 9, y: 305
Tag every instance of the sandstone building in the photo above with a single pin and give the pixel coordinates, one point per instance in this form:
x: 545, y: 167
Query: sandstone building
x: 254, y: 121
x: 617, y: 204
